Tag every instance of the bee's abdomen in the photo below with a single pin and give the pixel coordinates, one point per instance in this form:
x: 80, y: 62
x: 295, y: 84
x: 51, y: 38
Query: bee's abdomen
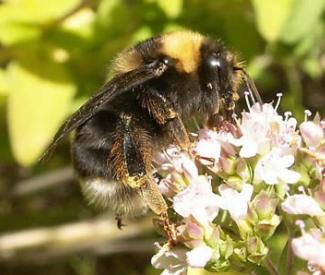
x: 121, y: 199
x: 110, y: 153
x: 92, y: 145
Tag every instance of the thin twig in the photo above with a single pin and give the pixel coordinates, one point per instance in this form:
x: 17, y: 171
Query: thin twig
x: 129, y: 246
x: 43, y: 244
x: 40, y: 183
x: 58, y: 21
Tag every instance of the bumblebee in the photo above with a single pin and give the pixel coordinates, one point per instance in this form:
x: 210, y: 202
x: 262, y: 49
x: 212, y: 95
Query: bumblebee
x: 158, y: 85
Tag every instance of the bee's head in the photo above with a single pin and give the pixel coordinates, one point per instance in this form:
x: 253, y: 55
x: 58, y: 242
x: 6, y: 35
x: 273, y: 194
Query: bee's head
x: 189, y: 53
x: 220, y: 72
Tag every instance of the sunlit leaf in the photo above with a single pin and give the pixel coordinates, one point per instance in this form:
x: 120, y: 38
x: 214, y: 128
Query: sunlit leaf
x: 171, y: 27
x: 20, y: 20
x: 303, y: 18
x: 271, y: 17
x: 40, y: 96
x: 141, y: 34
x: 3, y: 83
x: 35, y: 10
x: 172, y: 8
x: 80, y: 22
x: 312, y: 67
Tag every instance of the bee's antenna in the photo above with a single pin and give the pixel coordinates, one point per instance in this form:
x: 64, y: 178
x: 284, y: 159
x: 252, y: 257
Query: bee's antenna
x: 252, y: 87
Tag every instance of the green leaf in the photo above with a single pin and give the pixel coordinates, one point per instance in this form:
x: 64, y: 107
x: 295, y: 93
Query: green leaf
x: 40, y: 96
x: 113, y: 19
x: 108, y: 10
x: 172, y: 8
x: 21, y: 20
x: 311, y: 43
x: 271, y: 17
x: 14, y: 32
x: 304, y: 18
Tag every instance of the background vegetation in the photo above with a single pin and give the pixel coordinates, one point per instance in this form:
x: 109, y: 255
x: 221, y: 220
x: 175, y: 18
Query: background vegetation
x: 55, y: 54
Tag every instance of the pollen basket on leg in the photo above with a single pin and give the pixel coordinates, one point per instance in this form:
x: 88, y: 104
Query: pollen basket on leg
x: 130, y: 152
x: 184, y: 47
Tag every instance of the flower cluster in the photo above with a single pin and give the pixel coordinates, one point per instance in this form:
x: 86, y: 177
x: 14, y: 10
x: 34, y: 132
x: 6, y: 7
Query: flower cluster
x: 230, y: 192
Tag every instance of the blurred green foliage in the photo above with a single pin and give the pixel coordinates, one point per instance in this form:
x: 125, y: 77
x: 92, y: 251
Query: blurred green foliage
x: 55, y: 54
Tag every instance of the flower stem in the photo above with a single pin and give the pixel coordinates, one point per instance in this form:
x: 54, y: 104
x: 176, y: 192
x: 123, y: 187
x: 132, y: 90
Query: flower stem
x: 289, y: 253
x: 271, y: 267
x: 290, y: 257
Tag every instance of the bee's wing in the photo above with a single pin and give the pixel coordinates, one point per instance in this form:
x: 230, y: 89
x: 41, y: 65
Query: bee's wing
x: 118, y: 85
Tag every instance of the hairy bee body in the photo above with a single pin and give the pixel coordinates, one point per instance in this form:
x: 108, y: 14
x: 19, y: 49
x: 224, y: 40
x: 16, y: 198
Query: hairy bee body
x: 124, y: 124
x: 159, y: 85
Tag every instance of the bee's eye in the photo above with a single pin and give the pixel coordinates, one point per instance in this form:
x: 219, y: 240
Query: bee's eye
x: 168, y: 61
x: 216, y: 63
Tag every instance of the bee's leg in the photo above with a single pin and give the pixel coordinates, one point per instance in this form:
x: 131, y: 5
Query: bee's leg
x: 214, y: 121
x: 91, y: 152
x: 165, y: 114
x: 119, y: 221
x: 222, y: 122
x: 131, y: 156
x: 178, y: 130
x: 158, y: 205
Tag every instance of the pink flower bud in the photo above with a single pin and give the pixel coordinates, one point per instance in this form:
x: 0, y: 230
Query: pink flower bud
x: 264, y: 204
x: 311, y: 133
x: 194, y: 230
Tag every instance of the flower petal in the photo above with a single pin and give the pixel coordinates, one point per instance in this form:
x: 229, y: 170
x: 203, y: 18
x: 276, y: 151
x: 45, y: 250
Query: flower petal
x: 302, y: 204
x: 289, y: 176
x: 199, y: 256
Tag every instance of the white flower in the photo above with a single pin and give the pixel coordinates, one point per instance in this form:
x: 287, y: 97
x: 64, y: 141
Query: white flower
x: 173, y: 261
x: 235, y: 202
x: 176, y: 160
x: 262, y: 129
x: 197, y: 200
x: 208, y: 145
x: 188, y: 167
x: 199, y: 256
x: 182, y: 163
x: 302, y: 204
x: 311, y: 248
x: 285, y: 137
x: 256, y: 130
x: 273, y: 168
